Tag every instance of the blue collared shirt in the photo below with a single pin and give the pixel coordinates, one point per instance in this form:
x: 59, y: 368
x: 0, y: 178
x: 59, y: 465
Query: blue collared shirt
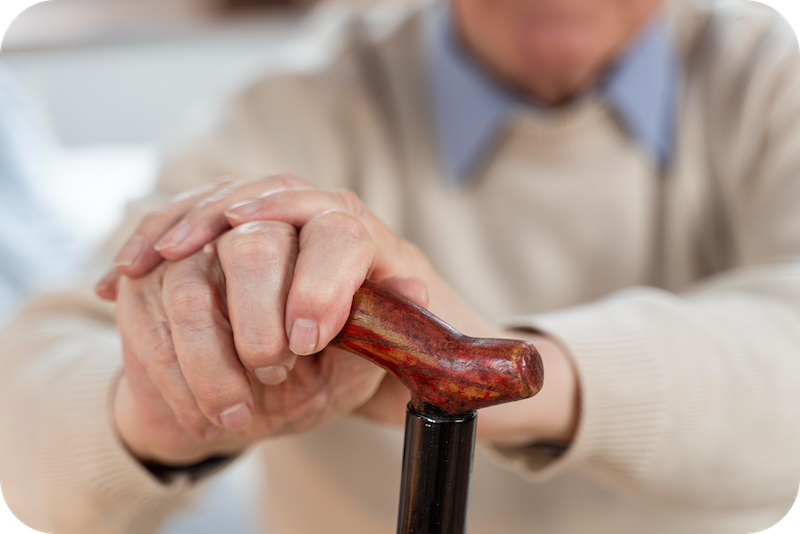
x: 471, y: 108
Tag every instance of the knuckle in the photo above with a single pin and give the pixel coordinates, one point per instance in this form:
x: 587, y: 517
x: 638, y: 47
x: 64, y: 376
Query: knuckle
x: 252, y: 248
x: 259, y: 228
x: 252, y: 242
x: 351, y: 202
x: 186, y: 299
x: 341, y: 223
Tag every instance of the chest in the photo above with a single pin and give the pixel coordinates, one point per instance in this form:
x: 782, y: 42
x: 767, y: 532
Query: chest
x: 562, y: 213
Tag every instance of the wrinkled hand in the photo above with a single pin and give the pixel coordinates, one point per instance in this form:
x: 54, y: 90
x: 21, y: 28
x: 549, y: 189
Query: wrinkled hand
x: 271, y: 303
x: 211, y: 340
x: 207, y: 357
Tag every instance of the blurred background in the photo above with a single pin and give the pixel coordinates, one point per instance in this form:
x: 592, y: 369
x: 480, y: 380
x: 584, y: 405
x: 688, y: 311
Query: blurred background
x: 93, y: 93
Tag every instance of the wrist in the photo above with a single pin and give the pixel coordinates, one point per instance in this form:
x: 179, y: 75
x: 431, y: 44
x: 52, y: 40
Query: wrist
x: 152, y: 441
x: 550, y: 416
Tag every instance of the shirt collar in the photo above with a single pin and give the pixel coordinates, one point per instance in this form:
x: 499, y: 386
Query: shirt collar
x: 471, y: 108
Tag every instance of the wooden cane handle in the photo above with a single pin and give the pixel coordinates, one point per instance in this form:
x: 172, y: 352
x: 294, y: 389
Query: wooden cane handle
x: 443, y: 368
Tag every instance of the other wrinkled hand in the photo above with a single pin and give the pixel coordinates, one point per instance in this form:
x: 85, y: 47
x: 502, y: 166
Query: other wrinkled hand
x: 207, y: 357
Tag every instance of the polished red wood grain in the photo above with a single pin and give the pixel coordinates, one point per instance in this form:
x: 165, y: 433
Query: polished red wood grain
x: 443, y: 368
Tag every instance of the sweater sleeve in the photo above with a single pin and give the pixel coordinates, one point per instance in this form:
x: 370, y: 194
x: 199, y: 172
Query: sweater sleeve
x: 62, y: 466
x: 692, y: 396
x: 688, y: 398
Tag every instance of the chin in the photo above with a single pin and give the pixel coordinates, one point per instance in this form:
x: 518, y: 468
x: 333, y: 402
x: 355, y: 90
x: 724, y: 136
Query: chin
x: 566, y: 57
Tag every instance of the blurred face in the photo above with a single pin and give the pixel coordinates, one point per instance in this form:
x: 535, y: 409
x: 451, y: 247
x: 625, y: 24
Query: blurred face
x: 550, y: 49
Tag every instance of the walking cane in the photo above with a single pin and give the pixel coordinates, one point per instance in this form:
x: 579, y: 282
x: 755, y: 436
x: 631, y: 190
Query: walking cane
x: 450, y: 376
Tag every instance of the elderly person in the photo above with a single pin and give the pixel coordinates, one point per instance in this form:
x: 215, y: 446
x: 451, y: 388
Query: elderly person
x: 617, y: 182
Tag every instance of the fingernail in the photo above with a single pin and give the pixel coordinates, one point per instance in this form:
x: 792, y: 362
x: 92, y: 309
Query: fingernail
x: 132, y: 249
x: 237, y: 417
x: 213, y: 433
x: 272, y: 375
x: 174, y: 237
x: 242, y: 209
x: 107, y: 282
x: 304, y: 336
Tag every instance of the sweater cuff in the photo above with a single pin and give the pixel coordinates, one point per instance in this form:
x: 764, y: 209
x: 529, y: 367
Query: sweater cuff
x: 622, y: 389
x: 168, y: 474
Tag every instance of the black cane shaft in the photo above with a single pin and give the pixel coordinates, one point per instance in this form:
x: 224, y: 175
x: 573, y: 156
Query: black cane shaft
x: 437, y: 464
x: 450, y: 375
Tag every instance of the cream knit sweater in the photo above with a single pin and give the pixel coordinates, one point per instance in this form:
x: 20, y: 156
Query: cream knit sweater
x: 678, y: 297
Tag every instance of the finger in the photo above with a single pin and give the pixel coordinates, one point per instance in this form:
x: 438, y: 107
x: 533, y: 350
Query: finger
x: 138, y: 256
x: 258, y: 261
x: 206, y: 221
x: 106, y: 288
x: 297, y: 207
x: 145, y: 332
x: 336, y: 255
x: 194, y: 298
